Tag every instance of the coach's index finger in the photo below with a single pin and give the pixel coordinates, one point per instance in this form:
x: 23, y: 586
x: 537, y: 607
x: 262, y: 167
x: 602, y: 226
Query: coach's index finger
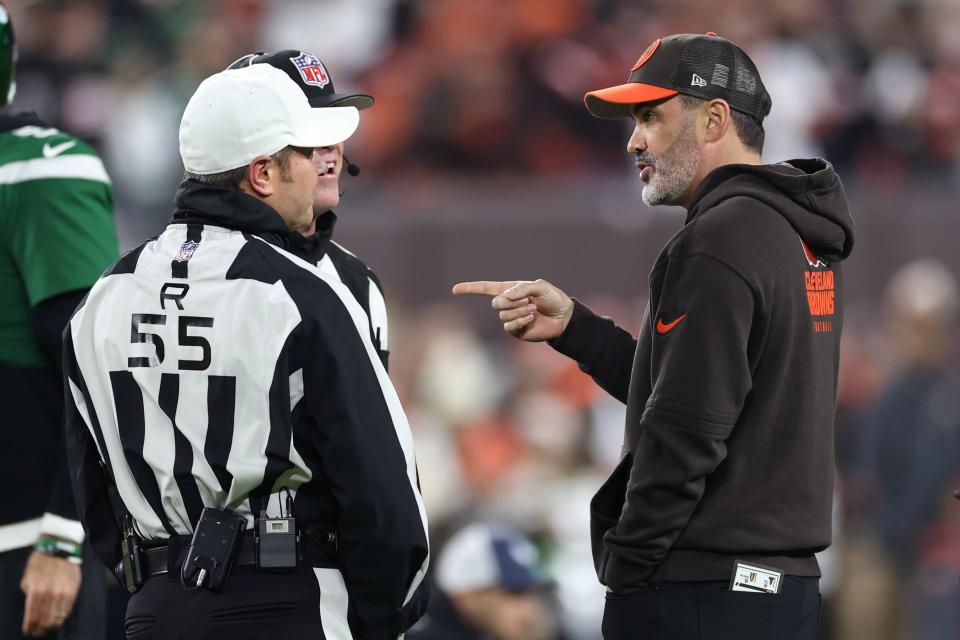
x: 482, y: 288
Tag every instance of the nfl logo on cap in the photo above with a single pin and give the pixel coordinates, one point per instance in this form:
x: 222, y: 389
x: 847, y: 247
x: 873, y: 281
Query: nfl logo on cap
x: 311, y: 70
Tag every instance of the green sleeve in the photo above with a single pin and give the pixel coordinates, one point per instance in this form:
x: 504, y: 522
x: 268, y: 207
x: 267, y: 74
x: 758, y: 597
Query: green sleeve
x: 62, y: 234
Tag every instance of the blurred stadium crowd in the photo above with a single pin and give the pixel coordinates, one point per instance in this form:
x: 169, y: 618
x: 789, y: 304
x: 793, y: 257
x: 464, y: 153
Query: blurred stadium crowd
x: 469, y: 90
x: 495, y: 85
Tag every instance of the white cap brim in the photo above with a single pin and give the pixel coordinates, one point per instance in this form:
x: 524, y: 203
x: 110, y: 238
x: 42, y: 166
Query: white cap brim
x: 327, y: 126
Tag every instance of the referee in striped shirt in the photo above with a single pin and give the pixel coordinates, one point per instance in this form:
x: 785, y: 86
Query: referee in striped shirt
x: 211, y: 368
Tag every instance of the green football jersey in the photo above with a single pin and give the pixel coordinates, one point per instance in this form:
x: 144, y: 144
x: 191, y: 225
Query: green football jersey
x: 57, y: 230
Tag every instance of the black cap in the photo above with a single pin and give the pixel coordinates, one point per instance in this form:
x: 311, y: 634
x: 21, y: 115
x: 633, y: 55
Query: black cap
x: 704, y: 66
x: 311, y: 76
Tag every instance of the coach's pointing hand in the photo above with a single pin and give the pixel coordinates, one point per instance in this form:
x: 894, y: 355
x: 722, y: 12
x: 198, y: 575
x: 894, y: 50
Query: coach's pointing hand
x: 530, y: 310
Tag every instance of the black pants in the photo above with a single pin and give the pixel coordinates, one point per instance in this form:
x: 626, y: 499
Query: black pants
x: 710, y: 611
x: 307, y: 603
x: 86, y: 621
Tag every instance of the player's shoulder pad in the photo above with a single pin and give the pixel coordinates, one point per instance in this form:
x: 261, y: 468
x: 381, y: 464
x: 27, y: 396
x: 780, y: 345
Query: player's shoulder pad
x: 41, y: 142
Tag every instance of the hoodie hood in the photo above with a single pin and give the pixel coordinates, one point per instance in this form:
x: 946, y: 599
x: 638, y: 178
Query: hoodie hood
x: 196, y: 202
x: 808, y: 193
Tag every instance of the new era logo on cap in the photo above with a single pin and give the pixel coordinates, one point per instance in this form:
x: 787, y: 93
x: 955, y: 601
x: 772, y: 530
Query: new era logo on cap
x: 697, y: 81
x: 311, y: 70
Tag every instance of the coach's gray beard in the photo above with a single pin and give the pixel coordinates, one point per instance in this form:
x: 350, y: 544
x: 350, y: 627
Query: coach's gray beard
x: 674, y: 169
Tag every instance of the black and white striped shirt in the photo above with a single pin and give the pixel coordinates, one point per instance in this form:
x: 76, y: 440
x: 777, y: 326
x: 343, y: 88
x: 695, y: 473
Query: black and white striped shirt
x: 342, y: 264
x: 211, y: 367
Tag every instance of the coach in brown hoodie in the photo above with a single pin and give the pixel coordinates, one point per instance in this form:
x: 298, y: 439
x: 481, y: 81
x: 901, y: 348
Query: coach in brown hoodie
x: 708, y: 526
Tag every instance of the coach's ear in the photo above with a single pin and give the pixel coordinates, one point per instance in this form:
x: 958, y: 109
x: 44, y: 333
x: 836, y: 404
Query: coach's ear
x: 258, y: 176
x: 718, y: 119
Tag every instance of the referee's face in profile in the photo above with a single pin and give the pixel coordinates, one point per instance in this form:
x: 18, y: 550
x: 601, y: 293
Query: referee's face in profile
x: 329, y: 162
x: 294, y: 187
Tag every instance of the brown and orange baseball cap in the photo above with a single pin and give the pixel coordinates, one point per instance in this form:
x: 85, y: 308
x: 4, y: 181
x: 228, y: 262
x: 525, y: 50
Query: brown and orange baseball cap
x: 704, y: 66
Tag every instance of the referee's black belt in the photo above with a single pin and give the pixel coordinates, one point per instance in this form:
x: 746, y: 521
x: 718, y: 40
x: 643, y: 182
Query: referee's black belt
x: 315, y: 549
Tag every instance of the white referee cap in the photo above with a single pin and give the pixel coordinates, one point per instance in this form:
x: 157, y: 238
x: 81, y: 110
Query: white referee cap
x: 240, y: 114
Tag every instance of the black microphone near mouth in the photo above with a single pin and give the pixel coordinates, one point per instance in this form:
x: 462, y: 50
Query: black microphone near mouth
x: 352, y: 169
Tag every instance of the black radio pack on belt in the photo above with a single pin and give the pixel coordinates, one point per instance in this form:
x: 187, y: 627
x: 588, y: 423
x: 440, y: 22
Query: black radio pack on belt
x: 218, y: 544
x: 213, y: 548
x: 276, y: 544
x: 277, y: 539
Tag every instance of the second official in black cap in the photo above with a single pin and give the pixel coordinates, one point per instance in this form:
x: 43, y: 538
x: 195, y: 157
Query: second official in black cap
x: 308, y: 71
